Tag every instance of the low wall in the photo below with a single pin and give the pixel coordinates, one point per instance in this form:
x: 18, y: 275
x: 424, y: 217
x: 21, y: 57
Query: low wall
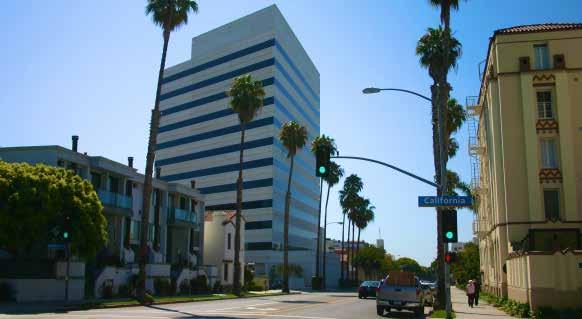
x: 546, y: 279
x: 51, y: 289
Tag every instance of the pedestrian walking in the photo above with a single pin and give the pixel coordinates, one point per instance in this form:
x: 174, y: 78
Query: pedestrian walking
x: 477, y: 290
x: 471, y: 293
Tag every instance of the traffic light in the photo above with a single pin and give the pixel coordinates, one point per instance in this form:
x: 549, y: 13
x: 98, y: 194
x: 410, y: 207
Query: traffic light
x: 322, y: 161
x: 450, y: 257
x: 450, y: 226
x: 66, y: 231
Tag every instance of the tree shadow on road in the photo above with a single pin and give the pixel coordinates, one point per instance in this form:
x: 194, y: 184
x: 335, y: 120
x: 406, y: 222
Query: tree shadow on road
x: 191, y: 315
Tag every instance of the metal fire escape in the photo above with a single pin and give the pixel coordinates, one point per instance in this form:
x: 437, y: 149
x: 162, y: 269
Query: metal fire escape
x: 476, y: 149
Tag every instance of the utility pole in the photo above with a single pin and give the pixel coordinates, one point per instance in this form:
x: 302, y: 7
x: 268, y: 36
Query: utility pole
x: 68, y: 257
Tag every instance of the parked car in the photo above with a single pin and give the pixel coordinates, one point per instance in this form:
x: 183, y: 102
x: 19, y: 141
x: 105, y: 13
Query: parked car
x: 401, y: 290
x: 368, y: 289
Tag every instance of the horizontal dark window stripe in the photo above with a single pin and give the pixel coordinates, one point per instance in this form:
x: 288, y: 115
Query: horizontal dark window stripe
x: 290, y: 62
x: 297, y: 89
x: 263, y: 224
x: 207, y: 117
x: 219, y: 132
x: 266, y: 245
x: 219, y: 169
x: 265, y: 203
x: 298, y: 107
x: 216, y: 151
x: 223, y: 59
x: 232, y: 187
x: 219, y: 78
x: 206, y: 100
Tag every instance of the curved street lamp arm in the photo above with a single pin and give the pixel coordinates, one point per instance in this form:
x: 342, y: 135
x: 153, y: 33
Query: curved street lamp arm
x: 390, y: 166
x: 405, y: 91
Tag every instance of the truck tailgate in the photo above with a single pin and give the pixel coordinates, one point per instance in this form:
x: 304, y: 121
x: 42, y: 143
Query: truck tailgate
x: 398, y: 293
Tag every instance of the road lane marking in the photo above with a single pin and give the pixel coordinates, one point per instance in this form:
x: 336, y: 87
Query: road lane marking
x: 242, y: 306
x: 233, y: 313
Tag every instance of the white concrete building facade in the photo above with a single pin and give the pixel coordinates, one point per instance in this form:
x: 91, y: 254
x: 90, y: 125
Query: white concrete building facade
x: 199, y: 136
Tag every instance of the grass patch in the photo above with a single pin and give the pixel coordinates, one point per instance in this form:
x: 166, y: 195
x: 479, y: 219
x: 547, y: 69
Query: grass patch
x: 441, y: 314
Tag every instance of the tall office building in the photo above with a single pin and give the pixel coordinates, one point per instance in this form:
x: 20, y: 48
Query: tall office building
x: 199, y: 134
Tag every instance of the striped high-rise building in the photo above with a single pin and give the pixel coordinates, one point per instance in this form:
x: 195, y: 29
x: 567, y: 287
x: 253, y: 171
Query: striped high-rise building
x: 199, y: 136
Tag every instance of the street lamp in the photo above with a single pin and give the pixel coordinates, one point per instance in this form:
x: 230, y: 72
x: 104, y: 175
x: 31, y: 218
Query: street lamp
x: 372, y: 90
x: 339, y: 223
x: 443, y: 169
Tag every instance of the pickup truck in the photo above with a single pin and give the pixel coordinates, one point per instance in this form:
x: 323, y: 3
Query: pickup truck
x: 401, y: 291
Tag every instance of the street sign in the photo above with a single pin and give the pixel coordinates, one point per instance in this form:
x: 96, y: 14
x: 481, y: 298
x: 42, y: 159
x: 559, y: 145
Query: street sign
x: 444, y: 201
x: 56, y: 246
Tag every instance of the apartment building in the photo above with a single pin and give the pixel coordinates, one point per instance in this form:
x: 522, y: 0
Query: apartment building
x: 176, y: 221
x: 199, y: 136
x: 526, y: 150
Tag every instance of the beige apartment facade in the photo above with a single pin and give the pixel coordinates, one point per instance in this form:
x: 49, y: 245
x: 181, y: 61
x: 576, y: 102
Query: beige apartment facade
x: 527, y: 156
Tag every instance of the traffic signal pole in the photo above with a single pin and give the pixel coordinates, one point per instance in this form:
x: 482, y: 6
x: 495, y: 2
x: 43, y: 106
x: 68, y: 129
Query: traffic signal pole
x: 68, y: 256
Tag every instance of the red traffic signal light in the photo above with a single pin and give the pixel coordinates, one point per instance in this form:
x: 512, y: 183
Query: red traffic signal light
x: 450, y: 257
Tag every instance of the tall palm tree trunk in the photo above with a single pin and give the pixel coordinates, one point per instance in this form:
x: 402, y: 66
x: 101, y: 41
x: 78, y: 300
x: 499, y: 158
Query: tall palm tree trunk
x: 236, y: 285
x: 286, y: 232
x: 353, y: 250
x: 342, y: 262
x: 357, y: 252
x: 147, y: 185
x: 348, y: 250
x: 317, y: 254
x: 325, y: 235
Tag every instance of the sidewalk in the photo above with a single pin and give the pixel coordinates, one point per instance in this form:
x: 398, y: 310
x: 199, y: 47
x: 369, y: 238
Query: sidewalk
x: 483, y: 311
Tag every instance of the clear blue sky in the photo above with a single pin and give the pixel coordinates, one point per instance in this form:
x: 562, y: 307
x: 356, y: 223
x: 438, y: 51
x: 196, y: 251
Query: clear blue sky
x: 90, y: 68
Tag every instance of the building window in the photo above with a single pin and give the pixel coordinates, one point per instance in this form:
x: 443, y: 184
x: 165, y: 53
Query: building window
x: 182, y: 203
x: 549, y: 153
x: 135, y: 227
x: 544, y: 101
x: 228, y: 241
x: 554, y: 239
x: 96, y: 180
x: 542, y: 57
x: 225, y: 272
x: 552, y: 203
x: 129, y: 188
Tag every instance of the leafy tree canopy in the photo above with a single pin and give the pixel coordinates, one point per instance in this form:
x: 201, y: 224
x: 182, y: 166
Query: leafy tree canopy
x: 33, y: 201
x: 466, y: 266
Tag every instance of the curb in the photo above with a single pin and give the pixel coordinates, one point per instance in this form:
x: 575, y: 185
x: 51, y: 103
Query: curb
x: 81, y: 307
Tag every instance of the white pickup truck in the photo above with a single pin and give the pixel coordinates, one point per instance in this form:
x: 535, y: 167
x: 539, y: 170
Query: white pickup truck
x: 400, y: 290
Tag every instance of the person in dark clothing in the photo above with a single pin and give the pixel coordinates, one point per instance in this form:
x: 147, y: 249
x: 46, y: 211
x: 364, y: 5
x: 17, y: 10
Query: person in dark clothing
x: 477, y: 290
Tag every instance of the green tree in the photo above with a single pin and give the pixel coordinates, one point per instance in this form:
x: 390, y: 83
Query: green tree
x: 246, y: 100
x: 349, y: 198
x: 445, y: 6
x: 169, y: 15
x: 466, y: 266
x: 372, y: 260
x: 439, y: 59
x: 408, y: 264
x: 294, y: 137
x: 333, y: 177
x: 324, y: 142
x: 33, y: 202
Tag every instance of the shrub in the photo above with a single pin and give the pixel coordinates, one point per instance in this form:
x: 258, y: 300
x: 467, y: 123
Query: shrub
x: 6, y: 292
x: 316, y: 283
x: 162, y: 286
x: 125, y: 290
x: 199, y: 285
x: 107, y: 291
x: 185, y: 286
x: 148, y: 299
x: 217, y: 288
x: 227, y: 289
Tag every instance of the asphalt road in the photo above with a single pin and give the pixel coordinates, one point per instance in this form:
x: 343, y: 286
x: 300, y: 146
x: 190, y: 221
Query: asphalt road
x: 329, y: 305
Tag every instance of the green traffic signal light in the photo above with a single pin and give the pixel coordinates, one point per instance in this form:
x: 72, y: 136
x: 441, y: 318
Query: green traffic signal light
x: 66, y: 235
x: 449, y: 235
x: 322, y: 170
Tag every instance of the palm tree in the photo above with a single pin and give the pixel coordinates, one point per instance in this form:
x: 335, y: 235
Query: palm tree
x: 328, y: 143
x: 445, y: 6
x: 364, y: 214
x: 293, y: 136
x: 169, y: 15
x: 246, y: 100
x: 432, y: 53
x: 333, y: 177
x: 348, y: 200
